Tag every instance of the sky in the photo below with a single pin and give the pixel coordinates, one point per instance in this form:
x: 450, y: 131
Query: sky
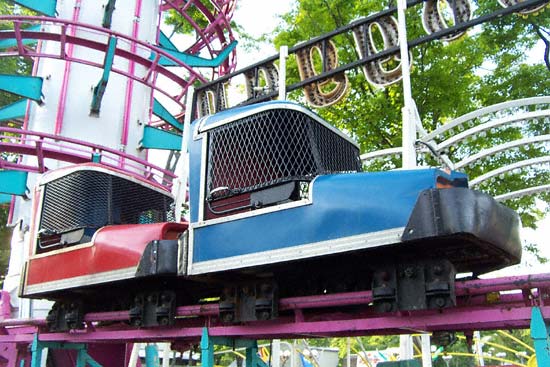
x: 257, y: 18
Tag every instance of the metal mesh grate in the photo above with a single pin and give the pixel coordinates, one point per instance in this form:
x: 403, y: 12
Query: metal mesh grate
x: 92, y: 199
x: 272, y: 147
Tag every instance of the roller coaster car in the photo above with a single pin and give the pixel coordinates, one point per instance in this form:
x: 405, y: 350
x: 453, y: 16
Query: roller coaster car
x: 278, y: 207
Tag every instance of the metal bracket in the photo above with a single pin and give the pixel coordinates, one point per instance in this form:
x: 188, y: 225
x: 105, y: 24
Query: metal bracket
x: 13, y: 182
x: 161, y: 111
x: 14, y: 111
x: 24, y: 86
x: 249, y: 302
x: 414, y: 286
x: 207, y: 349
x: 154, y: 138
x: 108, y: 15
x: 99, y: 89
x: 193, y: 60
x: 154, y: 309
x: 65, y: 316
x: 46, y: 7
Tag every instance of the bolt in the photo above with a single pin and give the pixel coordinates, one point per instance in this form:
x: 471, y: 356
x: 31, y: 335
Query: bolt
x: 438, y: 270
x: 386, y: 306
x: 227, y: 317
x: 409, y: 272
x: 263, y: 315
x: 440, y: 302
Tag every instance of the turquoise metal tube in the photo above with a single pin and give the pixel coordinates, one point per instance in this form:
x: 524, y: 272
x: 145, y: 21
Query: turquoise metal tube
x: 541, y: 337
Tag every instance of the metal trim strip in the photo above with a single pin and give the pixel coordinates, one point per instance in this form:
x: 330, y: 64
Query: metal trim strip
x: 83, y: 280
x: 271, y: 106
x: 340, y: 245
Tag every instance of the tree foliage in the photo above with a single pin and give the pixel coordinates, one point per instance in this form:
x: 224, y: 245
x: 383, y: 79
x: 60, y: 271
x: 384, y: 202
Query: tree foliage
x: 449, y: 79
x: 11, y: 65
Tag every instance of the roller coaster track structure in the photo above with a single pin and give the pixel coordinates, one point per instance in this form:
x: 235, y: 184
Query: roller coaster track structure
x: 519, y: 117
x: 481, y: 305
x: 48, y: 146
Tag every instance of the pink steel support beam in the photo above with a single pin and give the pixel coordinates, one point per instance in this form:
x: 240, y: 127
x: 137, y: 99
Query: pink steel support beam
x: 489, y: 318
x: 20, y: 46
x: 314, y: 316
x: 65, y: 84
x: 11, y: 210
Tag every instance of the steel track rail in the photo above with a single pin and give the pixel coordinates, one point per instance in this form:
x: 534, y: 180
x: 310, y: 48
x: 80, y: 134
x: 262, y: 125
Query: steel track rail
x: 482, y: 305
x: 49, y: 146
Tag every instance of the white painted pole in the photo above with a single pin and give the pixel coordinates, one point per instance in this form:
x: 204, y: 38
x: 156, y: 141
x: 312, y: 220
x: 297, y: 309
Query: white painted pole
x: 409, y: 129
x: 283, y: 55
x: 426, y: 351
x: 166, y: 350
x: 405, y: 347
x: 134, y: 355
x: 276, y: 353
x: 479, y: 348
x: 179, y: 188
x: 409, y: 125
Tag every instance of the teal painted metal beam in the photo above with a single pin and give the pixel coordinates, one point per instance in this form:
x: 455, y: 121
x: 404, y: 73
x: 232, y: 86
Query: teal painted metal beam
x: 96, y: 157
x: 13, y: 111
x: 5, y: 199
x: 13, y: 182
x: 165, y: 42
x: 207, y: 349
x: 404, y: 363
x: 154, y: 138
x: 151, y: 356
x: 108, y: 14
x: 83, y: 358
x: 193, y: 60
x: 24, y: 86
x: 12, y: 42
x: 540, y: 334
x: 161, y: 111
x: 46, y: 7
x: 99, y: 89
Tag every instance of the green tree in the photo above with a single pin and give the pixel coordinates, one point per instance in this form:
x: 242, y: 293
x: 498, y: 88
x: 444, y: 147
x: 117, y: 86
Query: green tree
x: 449, y: 79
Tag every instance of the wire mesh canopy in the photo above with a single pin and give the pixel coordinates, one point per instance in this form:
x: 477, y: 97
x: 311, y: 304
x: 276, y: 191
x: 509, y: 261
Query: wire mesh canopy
x: 273, y: 147
x: 93, y: 199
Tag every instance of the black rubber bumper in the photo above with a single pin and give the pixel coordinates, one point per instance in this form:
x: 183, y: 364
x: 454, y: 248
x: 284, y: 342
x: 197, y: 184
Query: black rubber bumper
x: 469, y: 227
x: 159, y: 258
